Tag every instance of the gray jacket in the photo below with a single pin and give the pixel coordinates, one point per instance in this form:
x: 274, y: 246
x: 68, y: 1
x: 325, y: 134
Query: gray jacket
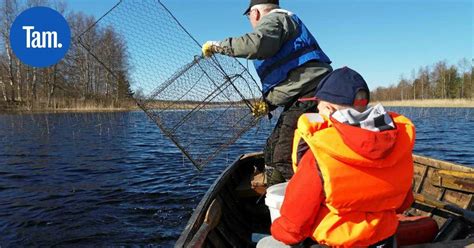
x: 274, y: 30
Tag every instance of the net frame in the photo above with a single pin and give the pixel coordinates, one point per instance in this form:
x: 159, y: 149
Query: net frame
x: 230, y: 79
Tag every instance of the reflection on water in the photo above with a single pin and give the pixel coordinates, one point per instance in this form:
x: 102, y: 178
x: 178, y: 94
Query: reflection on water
x: 113, y: 179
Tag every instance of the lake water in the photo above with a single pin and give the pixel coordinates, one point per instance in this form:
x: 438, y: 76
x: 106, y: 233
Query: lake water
x: 110, y: 179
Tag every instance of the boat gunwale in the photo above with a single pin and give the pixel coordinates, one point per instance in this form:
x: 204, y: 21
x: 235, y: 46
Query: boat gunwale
x: 440, y: 164
x: 200, y: 211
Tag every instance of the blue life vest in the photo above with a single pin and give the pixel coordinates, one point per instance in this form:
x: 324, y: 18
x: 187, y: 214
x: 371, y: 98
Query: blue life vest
x: 292, y: 54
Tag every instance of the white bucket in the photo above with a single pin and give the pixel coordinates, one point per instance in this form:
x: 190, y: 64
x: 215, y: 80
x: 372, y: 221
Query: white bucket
x: 274, y: 199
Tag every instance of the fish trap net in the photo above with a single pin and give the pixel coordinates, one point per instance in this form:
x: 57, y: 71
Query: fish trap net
x: 202, y: 105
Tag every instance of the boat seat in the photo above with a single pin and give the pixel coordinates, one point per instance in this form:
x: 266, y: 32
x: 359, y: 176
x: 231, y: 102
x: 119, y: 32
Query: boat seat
x: 416, y: 230
x: 456, y: 180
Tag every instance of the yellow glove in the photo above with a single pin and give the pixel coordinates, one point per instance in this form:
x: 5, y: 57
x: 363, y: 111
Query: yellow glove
x: 209, y: 48
x: 260, y: 109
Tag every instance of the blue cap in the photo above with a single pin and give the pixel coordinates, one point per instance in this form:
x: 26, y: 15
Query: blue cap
x: 257, y: 2
x: 341, y: 87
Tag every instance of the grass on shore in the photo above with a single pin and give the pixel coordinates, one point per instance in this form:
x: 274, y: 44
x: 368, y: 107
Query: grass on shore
x: 81, y: 107
x: 430, y: 103
x: 85, y: 110
x: 92, y: 107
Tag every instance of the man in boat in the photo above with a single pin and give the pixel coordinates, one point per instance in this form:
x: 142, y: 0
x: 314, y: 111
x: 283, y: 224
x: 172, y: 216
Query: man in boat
x: 353, y: 170
x: 290, y: 64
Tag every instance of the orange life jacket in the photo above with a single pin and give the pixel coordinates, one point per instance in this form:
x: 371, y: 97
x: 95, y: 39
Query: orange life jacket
x: 362, y: 193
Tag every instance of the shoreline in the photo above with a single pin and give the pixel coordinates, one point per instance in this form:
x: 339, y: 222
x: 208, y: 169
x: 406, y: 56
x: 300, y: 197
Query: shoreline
x: 429, y: 103
x: 18, y: 107
x: 66, y: 110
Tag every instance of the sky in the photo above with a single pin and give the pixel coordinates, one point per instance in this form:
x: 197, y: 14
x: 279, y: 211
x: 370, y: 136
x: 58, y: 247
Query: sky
x: 381, y: 39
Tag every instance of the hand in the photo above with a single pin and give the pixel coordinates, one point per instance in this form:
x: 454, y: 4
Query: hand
x: 260, y: 108
x: 209, y: 48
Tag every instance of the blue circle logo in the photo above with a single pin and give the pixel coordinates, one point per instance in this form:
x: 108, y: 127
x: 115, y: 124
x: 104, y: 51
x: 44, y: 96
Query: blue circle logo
x: 40, y: 37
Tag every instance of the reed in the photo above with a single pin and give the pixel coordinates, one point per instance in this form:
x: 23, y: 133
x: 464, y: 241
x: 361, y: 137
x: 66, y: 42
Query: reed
x: 67, y: 106
x: 430, y: 103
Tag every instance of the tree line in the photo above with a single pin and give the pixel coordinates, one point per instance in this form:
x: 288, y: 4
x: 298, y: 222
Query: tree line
x: 439, y: 81
x: 78, y: 80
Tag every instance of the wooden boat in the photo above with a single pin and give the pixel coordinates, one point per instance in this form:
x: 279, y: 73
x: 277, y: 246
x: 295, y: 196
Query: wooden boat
x: 232, y: 213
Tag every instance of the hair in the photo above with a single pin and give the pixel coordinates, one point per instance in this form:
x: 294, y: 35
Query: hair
x: 265, y: 7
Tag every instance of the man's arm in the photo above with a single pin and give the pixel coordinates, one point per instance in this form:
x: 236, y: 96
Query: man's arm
x: 270, y: 34
x: 303, y: 198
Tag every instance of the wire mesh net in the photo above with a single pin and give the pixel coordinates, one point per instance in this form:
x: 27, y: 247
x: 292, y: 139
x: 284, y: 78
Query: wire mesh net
x: 202, y: 105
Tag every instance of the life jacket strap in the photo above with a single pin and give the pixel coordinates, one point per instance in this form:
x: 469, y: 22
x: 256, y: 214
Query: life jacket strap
x: 287, y: 59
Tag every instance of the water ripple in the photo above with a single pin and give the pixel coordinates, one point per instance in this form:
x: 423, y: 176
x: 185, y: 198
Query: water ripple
x: 112, y: 179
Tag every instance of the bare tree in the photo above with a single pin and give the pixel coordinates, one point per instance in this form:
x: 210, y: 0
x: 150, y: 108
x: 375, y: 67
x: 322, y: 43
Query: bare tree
x: 438, y: 81
x: 9, y: 9
x: 78, y: 78
x: 2, y: 83
x: 413, y: 83
x: 471, y: 83
x: 465, y: 67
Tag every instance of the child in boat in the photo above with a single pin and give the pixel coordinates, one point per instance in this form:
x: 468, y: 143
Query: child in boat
x: 353, y: 170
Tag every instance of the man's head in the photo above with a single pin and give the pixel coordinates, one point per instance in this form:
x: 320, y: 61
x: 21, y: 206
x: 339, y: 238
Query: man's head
x: 342, y: 88
x: 259, y: 8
